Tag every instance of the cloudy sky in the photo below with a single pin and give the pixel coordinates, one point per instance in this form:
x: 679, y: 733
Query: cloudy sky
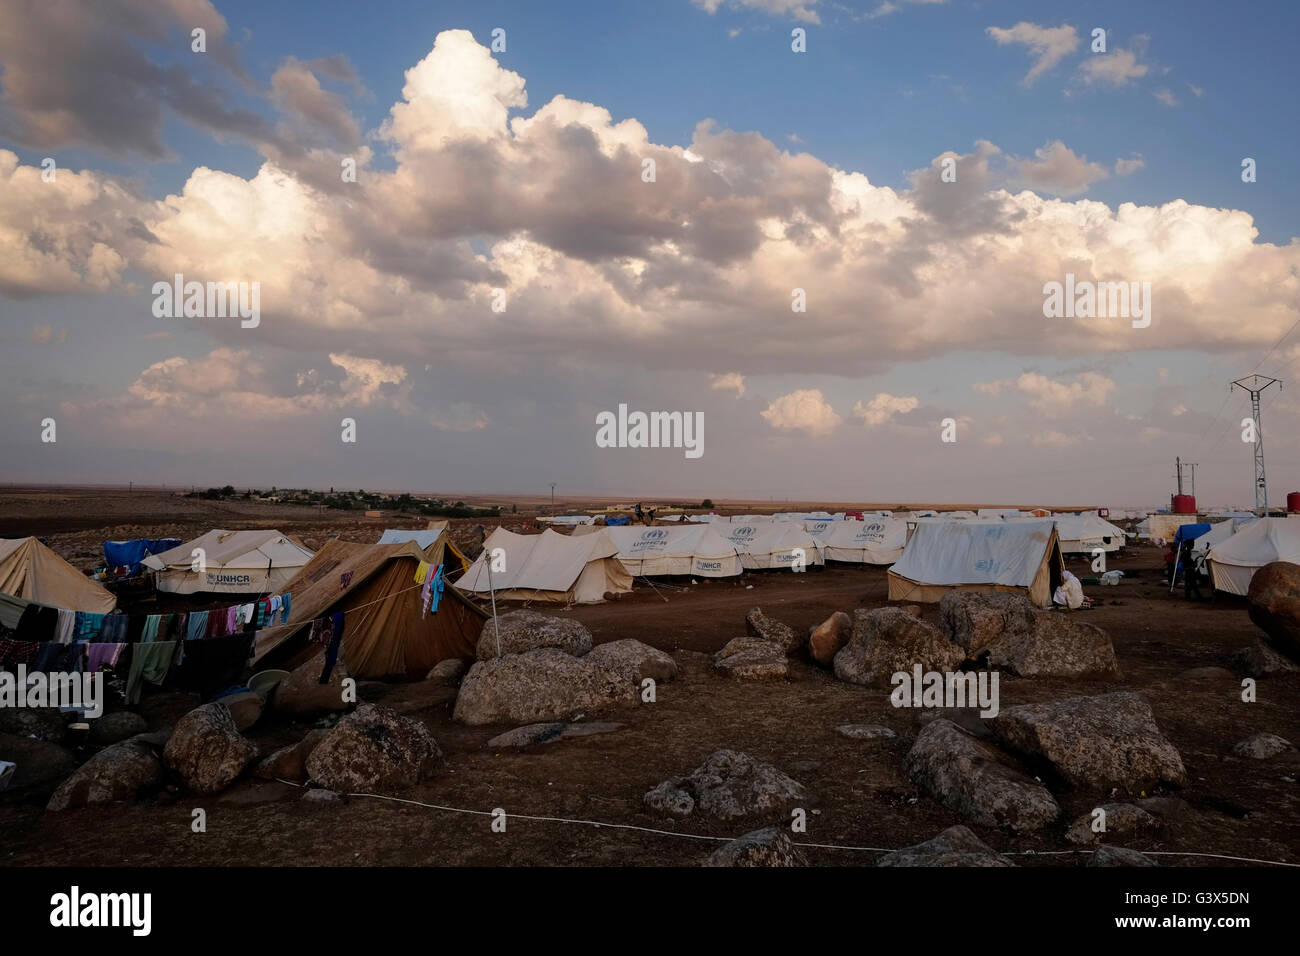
x: 920, y: 172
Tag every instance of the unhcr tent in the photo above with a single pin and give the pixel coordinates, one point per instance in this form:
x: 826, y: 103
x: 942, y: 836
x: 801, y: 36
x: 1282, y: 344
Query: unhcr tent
x: 234, y: 562
x: 384, y: 631
x: 980, y: 556
x: 573, y: 569
x: 871, y: 541
x: 1234, y: 562
x: 1222, y: 531
x: 1087, y: 532
x: 31, y: 572
x: 782, y: 544
x: 698, y: 550
x: 434, y: 542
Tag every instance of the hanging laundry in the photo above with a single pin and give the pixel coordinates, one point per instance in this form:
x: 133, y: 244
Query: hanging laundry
x: 150, y: 632
x: 103, y: 655
x: 332, y: 652
x: 246, y: 613
x: 320, y: 631
x: 65, y: 629
x: 149, y: 662
x: 47, y: 656
x: 88, y: 625
x: 13, y: 653
x: 213, y: 665
x: 198, y: 625
x: 284, y: 609
x: 421, y: 572
x: 114, y: 629
x: 437, y: 588
x: 232, y: 619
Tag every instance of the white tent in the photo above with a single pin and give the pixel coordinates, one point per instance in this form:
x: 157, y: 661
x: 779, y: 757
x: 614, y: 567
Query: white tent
x: 1161, y: 528
x: 777, y: 544
x: 1087, y: 532
x: 698, y: 550
x: 981, y: 556
x: 1234, y: 562
x: 1219, y: 532
x: 570, y: 520
x: 230, y: 562
x: 954, y: 515
x: 998, y: 512
x: 573, y: 569
x: 873, y: 541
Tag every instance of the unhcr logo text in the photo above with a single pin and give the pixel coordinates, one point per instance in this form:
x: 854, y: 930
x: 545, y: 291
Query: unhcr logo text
x: 651, y: 430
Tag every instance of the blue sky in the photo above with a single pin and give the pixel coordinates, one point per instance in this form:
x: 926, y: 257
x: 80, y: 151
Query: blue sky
x: 881, y: 94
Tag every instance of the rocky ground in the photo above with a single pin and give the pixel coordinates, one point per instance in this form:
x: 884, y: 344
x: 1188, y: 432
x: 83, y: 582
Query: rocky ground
x: 1150, y: 726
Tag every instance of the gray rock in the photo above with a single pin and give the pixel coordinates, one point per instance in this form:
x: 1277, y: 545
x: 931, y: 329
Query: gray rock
x: 1262, y: 746
x: 888, y: 640
x: 40, y: 764
x: 729, y: 785
x: 1260, y: 660
x: 119, y: 772
x: 1109, y: 855
x: 955, y: 846
x: 542, y: 685
x: 245, y: 707
x: 973, y: 621
x: 765, y: 628
x: 751, y: 658
x: 1056, y: 645
x: 523, y: 631
x: 206, y: 750
x: 321, y: 795
x: 1094, y: 743
x: 634, y: 661
x: 548, y: 733
x: 290, y: 763
x: 302, y: 693
x: 766, y: 847
x: 43, y: 723
x: 865, y: 732
x: 827, y: 638
x: 448, y: 672
x: 977, y: 780
x: 374, y: 750
x: 671, y: 799
x: 118, y: 726
x: 1122, y: 820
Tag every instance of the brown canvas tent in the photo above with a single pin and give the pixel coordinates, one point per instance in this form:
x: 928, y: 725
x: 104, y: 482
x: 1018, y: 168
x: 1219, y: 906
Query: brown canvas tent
x: 384, y: 633
x: 31, y: 571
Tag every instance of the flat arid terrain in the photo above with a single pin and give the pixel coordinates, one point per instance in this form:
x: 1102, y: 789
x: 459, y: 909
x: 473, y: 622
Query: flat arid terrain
x: 1179, y: 655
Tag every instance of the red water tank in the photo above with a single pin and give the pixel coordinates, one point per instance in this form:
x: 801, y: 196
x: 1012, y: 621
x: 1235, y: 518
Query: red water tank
x: 1293, y: 501
x: 1184, y: 505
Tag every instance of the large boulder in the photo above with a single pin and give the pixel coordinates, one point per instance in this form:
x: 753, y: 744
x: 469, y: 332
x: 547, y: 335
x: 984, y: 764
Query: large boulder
x: 39, y: 764
x: 978, y: 780
x: 826, y: 639
x: 888, y: 640
x: 751, y: 658
x: 1094, y: 743
x: 955, y: 846
x: 302, y: 694
x: 729, y: 785
x: 974, y: 621
x: 245, y: 707
x: 1273, y: 601
x: 634, y: 661
x: 766, y: 847
x: 119, y: 772
x: 1260, y: 660
x: 290, y: 763
x: 542, y: 685
x: 523, y: 631
x: 1056, y: 645
x: 118, y: 726
x: 206, y: 750
x: 448, y: 672
x: 374, y: 749
x: 763, y: 627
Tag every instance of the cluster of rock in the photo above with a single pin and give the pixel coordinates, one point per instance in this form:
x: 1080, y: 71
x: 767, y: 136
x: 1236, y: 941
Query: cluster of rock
x: 548, y: 671
x: 729, y: 785
x: 762, y: 653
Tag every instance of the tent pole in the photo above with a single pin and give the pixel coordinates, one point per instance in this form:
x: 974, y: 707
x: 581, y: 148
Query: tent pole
x: 492, y: 591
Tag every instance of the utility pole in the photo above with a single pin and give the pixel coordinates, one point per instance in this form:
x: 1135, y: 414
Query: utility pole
x: 552, y: 497
x: 1255, y: 384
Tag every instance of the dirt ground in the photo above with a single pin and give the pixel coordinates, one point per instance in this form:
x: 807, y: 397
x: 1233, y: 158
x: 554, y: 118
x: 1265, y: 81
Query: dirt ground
x: 863, y: 799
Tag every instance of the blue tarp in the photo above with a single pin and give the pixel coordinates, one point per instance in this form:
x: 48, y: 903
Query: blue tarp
x: 1188, y: 532
x: 614, y: 522
x: 131, y: 553
x: 422, y: 538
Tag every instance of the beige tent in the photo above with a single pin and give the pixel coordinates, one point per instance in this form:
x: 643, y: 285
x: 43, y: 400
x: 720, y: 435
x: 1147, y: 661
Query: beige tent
x: 981, y: 556
x: 233, y: 562
x: 1234, y: 562
x: 31, y: 571
x: 572, y: 569
x: 384, y: 632
x: 773, y: 544
x: 698, y: 550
